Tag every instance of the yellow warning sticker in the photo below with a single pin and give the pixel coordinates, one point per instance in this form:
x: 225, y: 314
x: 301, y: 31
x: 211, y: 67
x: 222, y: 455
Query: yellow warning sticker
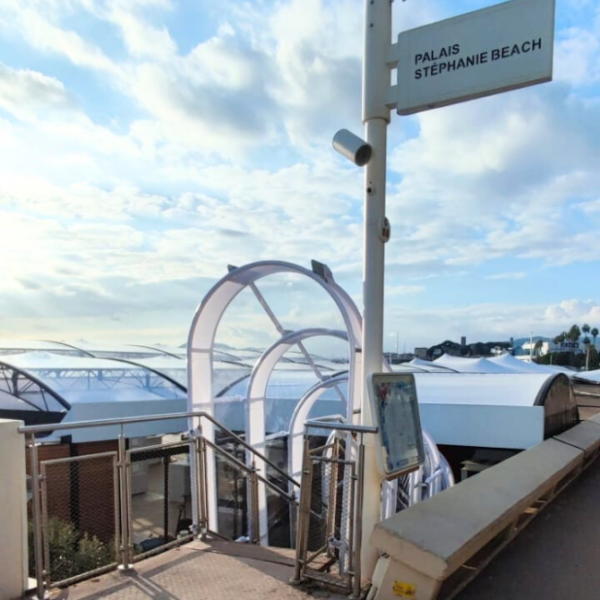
x: 404, y: 590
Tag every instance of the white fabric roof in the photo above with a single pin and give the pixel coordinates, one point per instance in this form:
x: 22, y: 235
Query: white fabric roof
x: 49, y: 360
x: 502, y: 389
x: 471, y: 365
x: 589, y: 375
x: 521, y: 366
x: 161, y: 362
x: 427, y: 365
x: 113, y: 349
x: 176, y: 350
x: 17, y: 346
x: 87, y: 379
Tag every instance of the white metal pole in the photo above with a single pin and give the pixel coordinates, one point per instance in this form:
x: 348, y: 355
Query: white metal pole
x: 376, y: 116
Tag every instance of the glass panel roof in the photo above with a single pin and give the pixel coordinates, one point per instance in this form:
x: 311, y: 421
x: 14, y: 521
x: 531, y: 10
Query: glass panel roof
x: 17, y: 346
x: 285, y: 389
x: 94, y: 380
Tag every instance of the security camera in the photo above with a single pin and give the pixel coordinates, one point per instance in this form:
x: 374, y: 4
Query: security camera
x: 352, y: 147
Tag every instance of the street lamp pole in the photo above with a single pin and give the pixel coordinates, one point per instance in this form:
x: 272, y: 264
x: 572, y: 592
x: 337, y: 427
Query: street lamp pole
x: 376, y: 116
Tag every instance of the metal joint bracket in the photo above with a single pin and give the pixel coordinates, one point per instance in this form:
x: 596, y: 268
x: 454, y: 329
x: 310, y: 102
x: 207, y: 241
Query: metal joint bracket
x: 391, y: 97
x: 393, y: 56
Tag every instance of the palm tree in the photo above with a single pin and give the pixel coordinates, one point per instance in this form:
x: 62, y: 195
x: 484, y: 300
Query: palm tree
x: 594, y: 333
x: 538, y: 347
x: 585, y: 328
x: 574, y: 333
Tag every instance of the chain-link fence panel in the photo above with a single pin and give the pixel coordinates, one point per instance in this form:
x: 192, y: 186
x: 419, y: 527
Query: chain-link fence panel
x: 328, y: 513
x: 79, y: 516
x: 160, y: 498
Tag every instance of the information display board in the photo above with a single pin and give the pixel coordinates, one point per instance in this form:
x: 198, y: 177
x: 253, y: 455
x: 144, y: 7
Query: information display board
x: 395, y: 410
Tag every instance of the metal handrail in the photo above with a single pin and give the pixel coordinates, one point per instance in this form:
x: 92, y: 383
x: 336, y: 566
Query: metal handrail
x: 32, y: 429
x: 251, y: 449
x: 199, y: 441
x: 316, y: 423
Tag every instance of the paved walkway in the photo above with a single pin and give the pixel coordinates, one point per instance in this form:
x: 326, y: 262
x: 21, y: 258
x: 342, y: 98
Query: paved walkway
x: 556, y: 557
x: 199, y: 571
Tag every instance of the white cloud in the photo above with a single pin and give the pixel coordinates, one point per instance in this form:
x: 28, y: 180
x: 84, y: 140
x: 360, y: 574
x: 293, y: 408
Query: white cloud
x: 27, y: 94
x: 577, y: 56
x: 144, y: 202
x: 142, y: 39
x: 509, y: 275
x: 488, y: 322
x: 46, y: 36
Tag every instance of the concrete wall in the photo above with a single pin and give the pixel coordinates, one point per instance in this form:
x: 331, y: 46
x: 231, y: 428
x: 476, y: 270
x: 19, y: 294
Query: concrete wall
x: 13, y: 511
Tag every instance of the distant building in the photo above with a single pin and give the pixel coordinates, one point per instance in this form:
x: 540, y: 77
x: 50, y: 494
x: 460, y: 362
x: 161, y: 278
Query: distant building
x: 474, y: 350
x: 394, y: 358
x: 421, y: 353
x: 547, y: 347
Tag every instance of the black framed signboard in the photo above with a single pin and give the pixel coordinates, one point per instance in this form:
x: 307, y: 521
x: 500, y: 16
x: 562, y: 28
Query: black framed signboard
x: 395, y: 410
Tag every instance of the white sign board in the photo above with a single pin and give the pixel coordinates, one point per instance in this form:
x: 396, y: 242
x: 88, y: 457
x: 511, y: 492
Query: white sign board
x: 496, y: 49
x: 395, y: 410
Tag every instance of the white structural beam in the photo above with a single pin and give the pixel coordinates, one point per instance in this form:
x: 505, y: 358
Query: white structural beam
x: 257, y: 393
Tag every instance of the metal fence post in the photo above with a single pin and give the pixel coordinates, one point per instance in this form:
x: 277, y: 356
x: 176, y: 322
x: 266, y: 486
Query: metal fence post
x: 356, y: 588
x: 200, y: 463
x: 255, y: 520
x: 293, y: 516
x: 124, y: 504
x: 37, y: 518
x: 333, y: 500
x: 303, y: 513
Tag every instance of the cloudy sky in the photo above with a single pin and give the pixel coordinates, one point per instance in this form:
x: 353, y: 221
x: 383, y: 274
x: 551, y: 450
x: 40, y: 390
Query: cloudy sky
x: 147, y: 144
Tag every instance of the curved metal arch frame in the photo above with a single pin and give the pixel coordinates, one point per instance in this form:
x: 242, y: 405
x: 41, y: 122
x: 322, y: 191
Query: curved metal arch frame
x: 257, y: 392
x: 204, y: 327
x: 41, y: 384
x: 261, y: 375
x: 300, y: 415
x: 152, y: 370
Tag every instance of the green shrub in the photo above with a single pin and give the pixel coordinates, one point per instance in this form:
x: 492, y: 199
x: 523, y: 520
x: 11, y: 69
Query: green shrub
x: 71, y: 552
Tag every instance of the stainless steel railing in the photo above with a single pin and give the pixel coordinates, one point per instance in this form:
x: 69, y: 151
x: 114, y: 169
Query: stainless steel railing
x: 335, y: 515
x: 196, y: 445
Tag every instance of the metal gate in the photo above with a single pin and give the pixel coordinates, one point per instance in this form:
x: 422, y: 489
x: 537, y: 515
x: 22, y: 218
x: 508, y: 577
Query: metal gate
x: 329, y: 535
x: 326, y: 511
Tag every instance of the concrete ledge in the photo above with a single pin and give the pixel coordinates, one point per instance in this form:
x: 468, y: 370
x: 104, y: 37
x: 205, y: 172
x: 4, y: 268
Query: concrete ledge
x: 585, y: 436
x: 469, y: 523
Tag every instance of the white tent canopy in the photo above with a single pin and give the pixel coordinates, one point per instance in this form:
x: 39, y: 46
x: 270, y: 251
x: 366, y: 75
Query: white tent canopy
x: 426, y: 365
x: 509, y: 362
x: 502, y: 410
x: 593, y: 376
x: 470, y: 365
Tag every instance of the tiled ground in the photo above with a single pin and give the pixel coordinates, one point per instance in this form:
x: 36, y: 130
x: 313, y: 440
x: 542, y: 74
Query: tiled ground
x: 198, y: 571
